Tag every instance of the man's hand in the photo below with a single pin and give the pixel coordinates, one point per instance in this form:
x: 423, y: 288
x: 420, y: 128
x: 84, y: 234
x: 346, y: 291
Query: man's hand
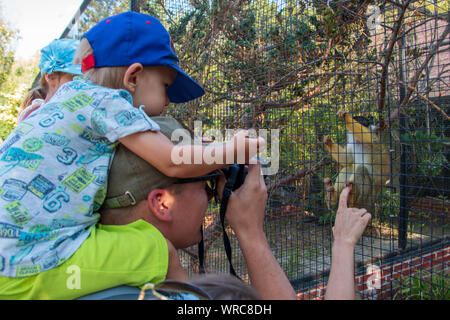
x: 245, y: 214
x: 245, y: 211
x: 350, y: 222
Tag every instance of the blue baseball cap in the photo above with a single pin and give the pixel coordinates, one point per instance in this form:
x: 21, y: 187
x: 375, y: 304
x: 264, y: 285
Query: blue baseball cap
x: 58, y: 56
x: 132, y: 37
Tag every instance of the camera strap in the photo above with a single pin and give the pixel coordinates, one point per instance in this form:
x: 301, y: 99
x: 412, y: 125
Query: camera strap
x: 226, y: 241
x: 227, y: 190
x: 201, y: 253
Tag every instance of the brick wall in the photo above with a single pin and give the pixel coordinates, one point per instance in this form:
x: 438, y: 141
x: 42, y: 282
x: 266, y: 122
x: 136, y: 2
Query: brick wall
x: 430, y: 210
x: 438, y: 259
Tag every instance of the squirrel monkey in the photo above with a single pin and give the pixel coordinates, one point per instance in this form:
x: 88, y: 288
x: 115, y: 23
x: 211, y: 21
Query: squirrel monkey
x: 365, y: 163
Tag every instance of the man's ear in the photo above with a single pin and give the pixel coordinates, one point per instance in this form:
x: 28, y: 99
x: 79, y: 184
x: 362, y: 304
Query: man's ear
x: 131, y: 77
x: 160, y: 203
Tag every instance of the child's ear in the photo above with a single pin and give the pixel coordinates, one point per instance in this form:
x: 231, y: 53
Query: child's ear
x: 131, y: 76
x: 51, y: 78
x: 160, y: 203
x: 47, y: 77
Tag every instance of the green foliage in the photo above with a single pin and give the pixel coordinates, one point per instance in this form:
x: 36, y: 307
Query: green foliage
x: 429, y: 150
x: 97, y: 11
x: 8, y: 99
x: 12, y: 92
x: 391, y: 204
x: 435, y: 142
x: 6, y: 54
x: 7, y: 122
x: 424, y: 286
x: 440, y: 6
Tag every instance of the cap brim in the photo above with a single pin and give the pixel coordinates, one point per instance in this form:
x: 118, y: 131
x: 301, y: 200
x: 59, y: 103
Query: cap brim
x: 184, y: 88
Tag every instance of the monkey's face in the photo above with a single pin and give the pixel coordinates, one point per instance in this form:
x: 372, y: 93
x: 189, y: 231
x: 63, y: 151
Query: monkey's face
x: 369, y: 123
x: 365, y: 121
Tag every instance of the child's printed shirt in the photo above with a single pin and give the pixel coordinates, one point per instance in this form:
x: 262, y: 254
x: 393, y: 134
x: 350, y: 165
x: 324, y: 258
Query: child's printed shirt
x: 53, y: 174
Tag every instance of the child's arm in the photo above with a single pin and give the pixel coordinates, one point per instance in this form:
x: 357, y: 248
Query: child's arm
x: 157, y: 149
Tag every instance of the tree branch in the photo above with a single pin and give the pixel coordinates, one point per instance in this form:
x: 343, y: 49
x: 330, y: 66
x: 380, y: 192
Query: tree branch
x: 415, y: 79
x: 387, y: 58
x: 300, y: 174
x: 426, y: 99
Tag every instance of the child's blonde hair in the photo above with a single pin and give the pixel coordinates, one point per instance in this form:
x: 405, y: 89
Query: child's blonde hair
x: 111, y: 77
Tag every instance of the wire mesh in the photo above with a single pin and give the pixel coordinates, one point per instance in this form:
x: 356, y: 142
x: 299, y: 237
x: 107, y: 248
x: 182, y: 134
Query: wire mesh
x: 292, y: 66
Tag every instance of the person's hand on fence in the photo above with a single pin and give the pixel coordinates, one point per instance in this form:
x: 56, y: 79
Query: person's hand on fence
x: 348, y: 228
x: 350, y: 223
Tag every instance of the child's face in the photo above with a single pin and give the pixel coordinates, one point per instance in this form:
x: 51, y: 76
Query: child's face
x: 151, y: 89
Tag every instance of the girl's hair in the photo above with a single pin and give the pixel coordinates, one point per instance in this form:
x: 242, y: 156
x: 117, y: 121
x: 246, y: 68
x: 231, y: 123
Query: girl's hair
x: 39, y: 92
x: 111, y: 77
x: 225, y: 287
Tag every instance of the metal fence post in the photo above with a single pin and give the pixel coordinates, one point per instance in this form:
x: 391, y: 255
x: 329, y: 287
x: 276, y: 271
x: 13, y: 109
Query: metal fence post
x: 404, y: 204
x: 135, y: 5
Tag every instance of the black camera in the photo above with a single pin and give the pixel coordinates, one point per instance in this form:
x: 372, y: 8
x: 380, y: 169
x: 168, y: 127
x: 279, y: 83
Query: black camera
x: 235, y: 176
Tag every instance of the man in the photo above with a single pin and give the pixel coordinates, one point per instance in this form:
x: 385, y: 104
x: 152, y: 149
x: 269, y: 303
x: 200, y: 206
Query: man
x: 146, y: 217
x: 177, y: 210
x: 140, y: 198
x: 138, y: 192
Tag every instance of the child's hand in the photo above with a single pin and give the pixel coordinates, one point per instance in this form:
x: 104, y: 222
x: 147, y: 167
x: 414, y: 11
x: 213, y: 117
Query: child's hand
x: 244, y: 147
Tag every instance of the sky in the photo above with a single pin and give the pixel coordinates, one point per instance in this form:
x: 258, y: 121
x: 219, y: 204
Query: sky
x: 38, y: 22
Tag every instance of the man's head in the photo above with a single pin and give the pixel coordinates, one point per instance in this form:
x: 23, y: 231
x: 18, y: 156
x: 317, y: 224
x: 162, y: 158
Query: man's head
x: 124, y: 50
x: 137, y: 190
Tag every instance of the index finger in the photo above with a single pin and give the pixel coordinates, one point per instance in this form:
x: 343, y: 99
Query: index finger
x: 343, y: 199
x: 261, y: 175
x: 254, y: 169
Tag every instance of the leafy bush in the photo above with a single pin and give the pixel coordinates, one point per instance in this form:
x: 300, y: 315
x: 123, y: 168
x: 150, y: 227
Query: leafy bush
x: 429, y: 150
x: 424, y: 286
